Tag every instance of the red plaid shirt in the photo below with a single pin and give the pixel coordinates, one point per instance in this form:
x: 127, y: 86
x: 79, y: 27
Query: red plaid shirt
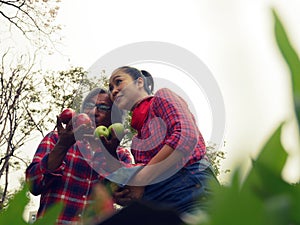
x: 71, y: 183
x: 167, y: 121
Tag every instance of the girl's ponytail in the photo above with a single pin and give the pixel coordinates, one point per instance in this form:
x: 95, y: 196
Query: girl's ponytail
x: 149, y: 83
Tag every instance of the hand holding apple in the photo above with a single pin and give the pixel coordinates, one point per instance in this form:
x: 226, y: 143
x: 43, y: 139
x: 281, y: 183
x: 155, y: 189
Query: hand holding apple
x: 110, y: 136
x: 101, y: 131
x: 66, y: 115
x: 82, y: 126
x: 66, y: 135
x: 117, y: 129
x: 81, y: 119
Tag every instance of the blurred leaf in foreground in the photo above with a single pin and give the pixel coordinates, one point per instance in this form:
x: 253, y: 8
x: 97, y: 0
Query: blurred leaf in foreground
x: 51, y: 215
x: 231, y: 206
x: 292, y: 59
x: 13, y: 214
x: 273, y: 158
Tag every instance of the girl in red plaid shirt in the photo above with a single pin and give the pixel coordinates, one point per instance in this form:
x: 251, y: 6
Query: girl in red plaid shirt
x: 168, y: 143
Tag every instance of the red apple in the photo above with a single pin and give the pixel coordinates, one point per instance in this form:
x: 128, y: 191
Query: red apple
x: 81, y: 119
x: 66, y: 115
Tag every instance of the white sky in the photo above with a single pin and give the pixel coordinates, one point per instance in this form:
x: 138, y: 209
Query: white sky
x: 234, y: 38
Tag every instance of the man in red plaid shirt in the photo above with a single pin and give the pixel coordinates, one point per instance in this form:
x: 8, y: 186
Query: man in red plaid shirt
x: 62, y: 168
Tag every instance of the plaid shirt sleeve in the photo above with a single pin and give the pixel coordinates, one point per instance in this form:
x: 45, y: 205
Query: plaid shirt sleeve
x: 71, y: 183
x: 125, y: 155
x: 169, y: 122
x: 37, y: 174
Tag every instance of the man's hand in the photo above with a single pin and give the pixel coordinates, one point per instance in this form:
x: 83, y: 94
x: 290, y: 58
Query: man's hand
x: 66, y: 135
x: 111, y: 144
x: 130, y: 193
x: 66, y: 139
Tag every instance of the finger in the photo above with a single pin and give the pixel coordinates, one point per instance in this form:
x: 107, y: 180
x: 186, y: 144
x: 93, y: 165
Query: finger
x: 104, y: 140
x: 69, y: 125
x: 123, y: 201
x: 121, y: 197
x: 121, y: 193
x: 59, y: 124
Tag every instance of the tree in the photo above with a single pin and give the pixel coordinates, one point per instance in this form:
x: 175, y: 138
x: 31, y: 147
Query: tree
x: 17, y: 99
x: 67, y: 89
x: 22, y: 22
x: 34, y: 19
x: 29, y: 103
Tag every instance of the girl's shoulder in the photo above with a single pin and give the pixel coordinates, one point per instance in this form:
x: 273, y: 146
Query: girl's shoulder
x: 165, y: 95
x: 163, y: 91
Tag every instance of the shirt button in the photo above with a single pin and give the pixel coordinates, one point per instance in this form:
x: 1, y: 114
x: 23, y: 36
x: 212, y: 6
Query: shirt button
x: 83, y: 196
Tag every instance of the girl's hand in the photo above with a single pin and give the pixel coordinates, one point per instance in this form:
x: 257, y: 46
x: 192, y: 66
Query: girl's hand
x: 136, y: 192
x: 130, y: 193
x: 121, y: 196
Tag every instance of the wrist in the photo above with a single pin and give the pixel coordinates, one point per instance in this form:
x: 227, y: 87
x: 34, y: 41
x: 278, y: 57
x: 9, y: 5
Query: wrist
x: 141, y: 178
x: 62, y: 145
x: 59, y: 150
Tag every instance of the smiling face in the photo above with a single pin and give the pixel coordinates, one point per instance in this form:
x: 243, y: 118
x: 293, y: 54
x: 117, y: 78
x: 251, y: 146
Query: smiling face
x: 125, y: 91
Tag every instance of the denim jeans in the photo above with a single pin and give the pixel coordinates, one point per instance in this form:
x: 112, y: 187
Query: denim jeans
x: 186, y: 191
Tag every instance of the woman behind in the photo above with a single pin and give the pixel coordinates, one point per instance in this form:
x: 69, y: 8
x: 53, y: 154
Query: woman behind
x: 168, y: 143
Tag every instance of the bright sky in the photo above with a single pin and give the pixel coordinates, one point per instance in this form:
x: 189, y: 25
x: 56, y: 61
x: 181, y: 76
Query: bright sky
x: 234, y: 38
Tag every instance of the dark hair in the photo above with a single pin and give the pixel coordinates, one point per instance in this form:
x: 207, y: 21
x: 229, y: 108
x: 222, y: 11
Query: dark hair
x: 116, y: 113
x: 91, y: 94
x: 135, y: 74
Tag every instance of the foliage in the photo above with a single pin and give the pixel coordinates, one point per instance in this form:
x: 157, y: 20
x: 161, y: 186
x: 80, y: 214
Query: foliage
x: 67, y: 89
x: 20, y: 95
x: 292, y: 59
x: 18, y: 114
x: 215, y: 156
x: 13, y: 214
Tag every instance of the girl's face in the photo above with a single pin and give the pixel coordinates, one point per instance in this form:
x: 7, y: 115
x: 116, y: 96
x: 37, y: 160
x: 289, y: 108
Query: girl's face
x: 125, y: 91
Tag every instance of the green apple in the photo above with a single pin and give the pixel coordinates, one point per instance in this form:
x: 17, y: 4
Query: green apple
x: 101, y: 130
x: 118, y: 129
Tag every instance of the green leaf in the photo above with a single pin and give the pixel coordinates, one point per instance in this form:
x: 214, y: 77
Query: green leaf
x: 51, y: 215
x: 271, y: 157
x: 295, y: 209
x: 14, y: 212
x: 292, y: 60
x: 231, y: 206
x: 266, y: 183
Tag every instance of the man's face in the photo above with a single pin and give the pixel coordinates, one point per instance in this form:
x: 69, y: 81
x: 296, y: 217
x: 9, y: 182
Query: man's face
x: 99, y: 109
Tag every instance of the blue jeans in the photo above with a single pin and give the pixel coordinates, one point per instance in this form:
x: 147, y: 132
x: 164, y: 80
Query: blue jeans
x: 186, y: 191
